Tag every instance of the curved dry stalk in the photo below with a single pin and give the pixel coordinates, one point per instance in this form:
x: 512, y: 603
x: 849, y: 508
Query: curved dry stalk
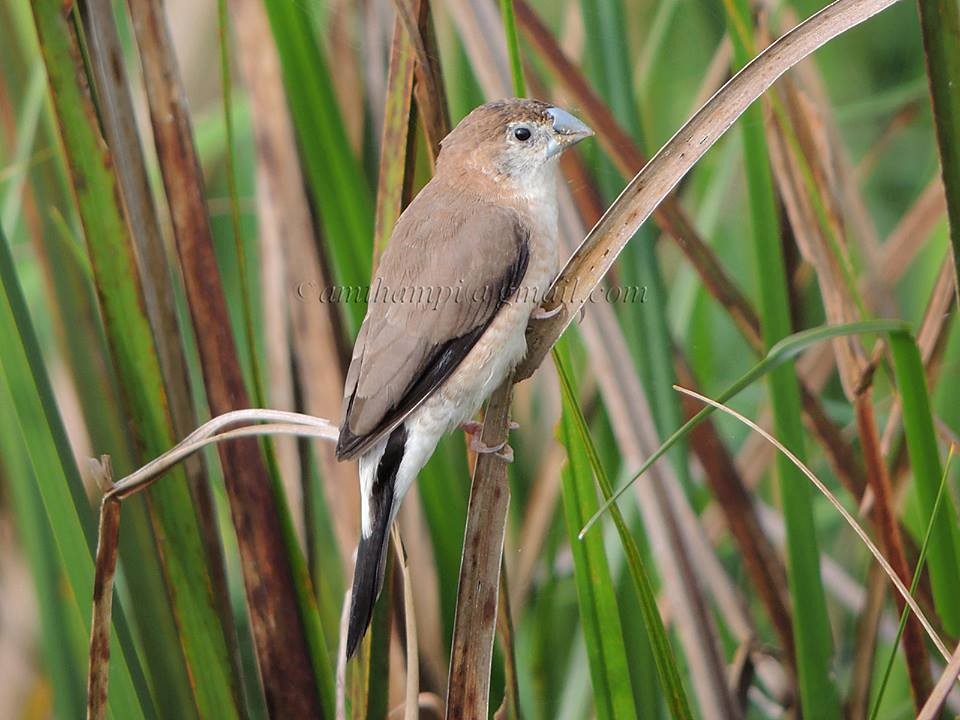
x: 861, y: 533
x: 664, y: 171
x: 287, y: 423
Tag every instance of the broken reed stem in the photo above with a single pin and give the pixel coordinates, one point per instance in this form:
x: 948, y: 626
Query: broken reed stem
x: 212, y: 431
x: 98, y: 670
x: 283, y: 422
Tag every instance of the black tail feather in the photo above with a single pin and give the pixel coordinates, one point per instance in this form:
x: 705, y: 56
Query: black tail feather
x: 372, y: 551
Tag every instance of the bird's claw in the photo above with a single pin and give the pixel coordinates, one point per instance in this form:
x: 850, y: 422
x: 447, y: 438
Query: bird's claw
x: 501, y: 450
x: 540, y: 314
x: 481, y: 448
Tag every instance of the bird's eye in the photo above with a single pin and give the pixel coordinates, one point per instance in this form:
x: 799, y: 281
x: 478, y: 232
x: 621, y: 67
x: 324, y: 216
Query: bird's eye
x: 522, y: 133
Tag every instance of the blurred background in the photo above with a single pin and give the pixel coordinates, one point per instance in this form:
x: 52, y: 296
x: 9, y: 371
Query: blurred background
x: 146, y: 292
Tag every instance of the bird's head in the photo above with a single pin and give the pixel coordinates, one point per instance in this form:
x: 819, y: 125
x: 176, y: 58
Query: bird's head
x: 514, y: 142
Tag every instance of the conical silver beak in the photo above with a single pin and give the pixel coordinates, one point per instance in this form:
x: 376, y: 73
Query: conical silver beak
x: 567, y: 125
x: 569, y: 130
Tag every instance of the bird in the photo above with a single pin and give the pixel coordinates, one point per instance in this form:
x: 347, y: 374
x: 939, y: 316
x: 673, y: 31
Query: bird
x: 468, y: 263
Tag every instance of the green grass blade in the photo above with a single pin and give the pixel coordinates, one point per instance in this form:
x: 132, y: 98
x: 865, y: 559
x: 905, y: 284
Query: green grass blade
x: 811, y: 624
x: 646, y: 331
x: 664, y: 659
x: 62, y: 638
x: 925, y: 463
x: 58, y: 480
x: 605, y: 26
x: 940, y: 23
x: 378, y: 667
x: 913, y: 589
x: 513, y: 48
x: 596, y: 594
x: 782, y: 352
x: 320, y: 655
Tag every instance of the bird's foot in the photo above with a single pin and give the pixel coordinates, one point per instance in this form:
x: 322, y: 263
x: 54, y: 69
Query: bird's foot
x: 501, y: 450
x: 540, y: 314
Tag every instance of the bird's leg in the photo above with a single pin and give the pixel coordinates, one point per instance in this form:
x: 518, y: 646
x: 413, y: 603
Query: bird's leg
x: 540, y: 314
x: 472, y: 428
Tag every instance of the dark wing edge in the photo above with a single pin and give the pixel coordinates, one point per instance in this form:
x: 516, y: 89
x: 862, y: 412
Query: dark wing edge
x: 441, y: 364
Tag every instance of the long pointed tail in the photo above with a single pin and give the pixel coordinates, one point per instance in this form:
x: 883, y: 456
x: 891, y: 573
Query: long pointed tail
x: 372, y: 552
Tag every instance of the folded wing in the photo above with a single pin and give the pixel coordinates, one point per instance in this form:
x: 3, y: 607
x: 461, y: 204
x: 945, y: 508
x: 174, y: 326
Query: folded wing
x: 447, y: 271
